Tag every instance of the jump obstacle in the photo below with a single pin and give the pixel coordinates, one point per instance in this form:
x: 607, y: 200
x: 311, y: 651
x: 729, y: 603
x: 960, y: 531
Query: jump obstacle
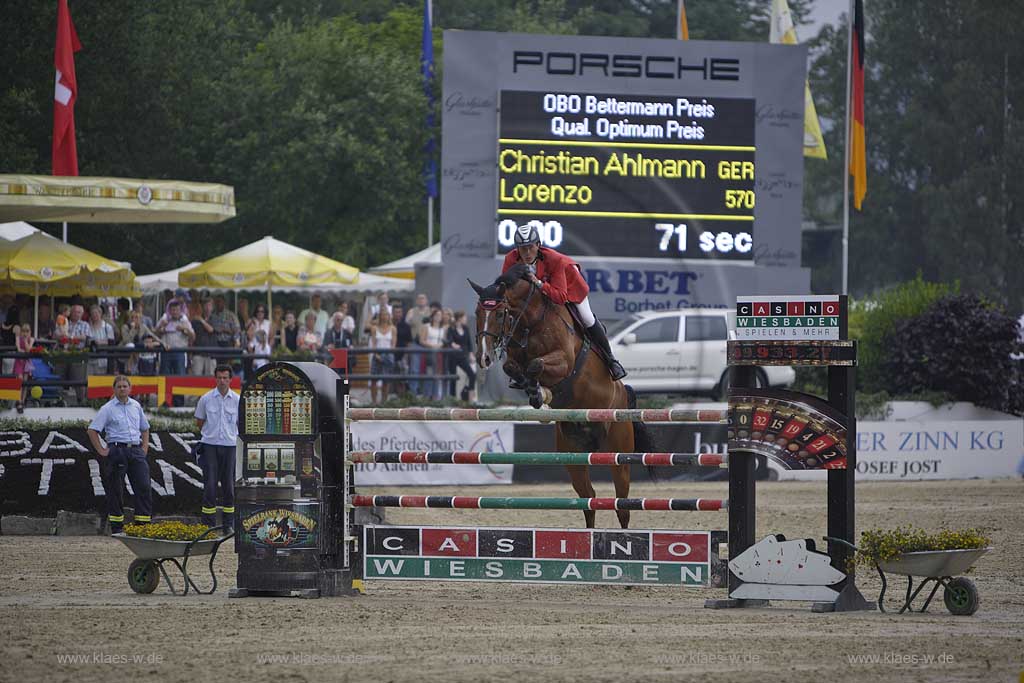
x: 624, y: 557
x: 301, y: 538
x: 428, y: 562
x: 541, y: 458
x: 537, y: 415
x: 515, y: 503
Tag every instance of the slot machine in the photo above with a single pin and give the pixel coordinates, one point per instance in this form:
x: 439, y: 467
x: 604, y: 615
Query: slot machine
x: 290, y: 517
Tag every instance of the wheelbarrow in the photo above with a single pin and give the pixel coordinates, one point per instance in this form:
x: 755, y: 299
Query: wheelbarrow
x: 938, y: 567
x: 153, y: 553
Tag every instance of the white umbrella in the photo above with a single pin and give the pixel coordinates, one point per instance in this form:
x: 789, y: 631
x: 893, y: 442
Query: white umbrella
x: 155, y: 283
x: 17, y: 230
x: 405, y: 267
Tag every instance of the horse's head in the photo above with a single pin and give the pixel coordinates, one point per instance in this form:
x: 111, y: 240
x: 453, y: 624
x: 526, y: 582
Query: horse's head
x: 496, y: 305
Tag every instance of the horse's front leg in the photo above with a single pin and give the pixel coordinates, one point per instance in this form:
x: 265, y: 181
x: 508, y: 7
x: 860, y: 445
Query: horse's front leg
x: 543, y: 372
x: 549, y: 369
x: 520, y: 380
x: 514, y: 371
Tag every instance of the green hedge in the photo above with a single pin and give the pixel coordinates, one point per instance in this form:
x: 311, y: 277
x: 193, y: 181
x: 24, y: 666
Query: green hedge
x: 873, y: 321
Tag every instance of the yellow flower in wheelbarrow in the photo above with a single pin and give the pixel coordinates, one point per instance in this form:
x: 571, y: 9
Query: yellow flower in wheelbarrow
x: 167, y: 531
x: 881, y: 545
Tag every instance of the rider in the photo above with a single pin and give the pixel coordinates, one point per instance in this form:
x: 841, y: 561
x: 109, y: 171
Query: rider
x: 560, y: 279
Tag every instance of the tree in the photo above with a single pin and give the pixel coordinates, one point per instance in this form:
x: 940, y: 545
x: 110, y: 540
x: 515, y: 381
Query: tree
x: 945, y: 177
x: 326, y: 138
x: 313, y: 111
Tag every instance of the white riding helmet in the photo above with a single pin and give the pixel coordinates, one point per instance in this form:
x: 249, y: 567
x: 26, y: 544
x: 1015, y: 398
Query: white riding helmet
x: 526, y: 234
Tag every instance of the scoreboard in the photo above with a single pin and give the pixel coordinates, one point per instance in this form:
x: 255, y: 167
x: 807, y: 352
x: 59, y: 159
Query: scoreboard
x: 626, y: 175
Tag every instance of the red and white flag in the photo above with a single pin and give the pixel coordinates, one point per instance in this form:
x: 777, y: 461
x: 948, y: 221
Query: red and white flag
x: 65, y: 92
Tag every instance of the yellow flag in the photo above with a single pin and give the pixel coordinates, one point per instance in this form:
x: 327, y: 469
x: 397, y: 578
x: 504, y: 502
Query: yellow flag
x: 683, y: 30
x: 783, y: 31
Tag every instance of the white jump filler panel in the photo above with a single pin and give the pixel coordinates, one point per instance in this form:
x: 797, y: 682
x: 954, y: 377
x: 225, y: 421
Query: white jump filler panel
x: 777, y: 569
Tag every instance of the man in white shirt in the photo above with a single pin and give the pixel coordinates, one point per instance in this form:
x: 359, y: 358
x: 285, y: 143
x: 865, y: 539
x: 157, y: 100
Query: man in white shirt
x: 127, y: 436
x: 322, y: 319
x: 176, y: 333
x: 217, y: 419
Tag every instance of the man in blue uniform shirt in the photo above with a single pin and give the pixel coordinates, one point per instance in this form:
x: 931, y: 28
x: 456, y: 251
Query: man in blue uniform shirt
x: 127, y: 435
x: 217, y: 418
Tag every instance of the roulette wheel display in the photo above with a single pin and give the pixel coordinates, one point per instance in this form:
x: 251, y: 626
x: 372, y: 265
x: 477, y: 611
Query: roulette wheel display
x: 795, y: 430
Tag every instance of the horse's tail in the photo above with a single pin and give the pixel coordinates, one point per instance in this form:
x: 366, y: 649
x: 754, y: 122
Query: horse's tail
x: 643, y: 438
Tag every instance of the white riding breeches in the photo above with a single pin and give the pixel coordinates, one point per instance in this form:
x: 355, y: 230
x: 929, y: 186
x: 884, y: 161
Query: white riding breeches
x: 586, y: 315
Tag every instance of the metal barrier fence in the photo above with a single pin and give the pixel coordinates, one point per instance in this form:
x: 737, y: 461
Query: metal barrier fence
x: 233, y: 356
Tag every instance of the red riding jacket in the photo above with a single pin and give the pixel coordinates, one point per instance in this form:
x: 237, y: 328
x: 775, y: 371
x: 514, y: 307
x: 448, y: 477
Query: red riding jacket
x: 563, y: 281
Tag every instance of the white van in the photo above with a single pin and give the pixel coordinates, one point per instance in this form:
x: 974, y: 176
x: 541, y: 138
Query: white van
x: 683, y: 351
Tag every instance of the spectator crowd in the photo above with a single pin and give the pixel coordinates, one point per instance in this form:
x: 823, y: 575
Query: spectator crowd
x: 415, y: 348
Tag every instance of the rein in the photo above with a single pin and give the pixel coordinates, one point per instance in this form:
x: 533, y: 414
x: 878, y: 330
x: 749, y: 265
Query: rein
x: 515, y: 327
x: 506, y: 337
x: 522, y: 314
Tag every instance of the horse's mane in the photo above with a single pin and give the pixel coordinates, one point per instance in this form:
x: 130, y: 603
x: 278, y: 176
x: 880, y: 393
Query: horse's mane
x: 510, y: 276
x: 506, y: 280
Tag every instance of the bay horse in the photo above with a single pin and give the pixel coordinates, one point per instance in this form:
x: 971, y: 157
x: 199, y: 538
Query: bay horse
x: 546, y: 352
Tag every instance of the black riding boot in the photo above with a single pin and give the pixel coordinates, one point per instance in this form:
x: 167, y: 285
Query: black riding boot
x: 600, y: 339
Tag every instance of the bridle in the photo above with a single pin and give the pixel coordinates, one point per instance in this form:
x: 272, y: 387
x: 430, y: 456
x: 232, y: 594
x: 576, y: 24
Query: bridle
x: 490, y: 306
x: 514, y: 332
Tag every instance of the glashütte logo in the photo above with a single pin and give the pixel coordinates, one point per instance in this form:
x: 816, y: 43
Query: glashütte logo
x: 144, y: 194
x: 46, y: 272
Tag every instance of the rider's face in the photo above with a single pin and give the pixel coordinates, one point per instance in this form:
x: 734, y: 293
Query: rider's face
x: 528, y: 253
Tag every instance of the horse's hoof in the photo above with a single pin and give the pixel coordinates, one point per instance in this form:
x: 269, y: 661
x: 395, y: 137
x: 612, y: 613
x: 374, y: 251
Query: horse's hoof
x: 536, y: 401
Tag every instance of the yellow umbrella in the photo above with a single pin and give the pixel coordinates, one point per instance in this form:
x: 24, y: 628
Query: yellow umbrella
x: 40, y: 264
x: 267, y: 263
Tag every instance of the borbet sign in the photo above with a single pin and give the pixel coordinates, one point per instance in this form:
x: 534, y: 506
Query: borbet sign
x: 791, y: 317
x: 627, y: 557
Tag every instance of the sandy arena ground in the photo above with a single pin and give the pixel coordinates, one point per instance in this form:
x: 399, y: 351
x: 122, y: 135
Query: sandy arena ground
x: 69, y: 596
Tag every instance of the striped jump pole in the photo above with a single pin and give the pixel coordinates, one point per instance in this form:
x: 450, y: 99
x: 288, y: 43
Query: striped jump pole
x: 541, y: 415
x: 540, y: 458
x: 497, y: 503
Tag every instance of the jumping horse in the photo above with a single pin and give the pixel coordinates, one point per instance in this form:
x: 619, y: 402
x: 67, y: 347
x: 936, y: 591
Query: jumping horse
x: 547, y: 353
